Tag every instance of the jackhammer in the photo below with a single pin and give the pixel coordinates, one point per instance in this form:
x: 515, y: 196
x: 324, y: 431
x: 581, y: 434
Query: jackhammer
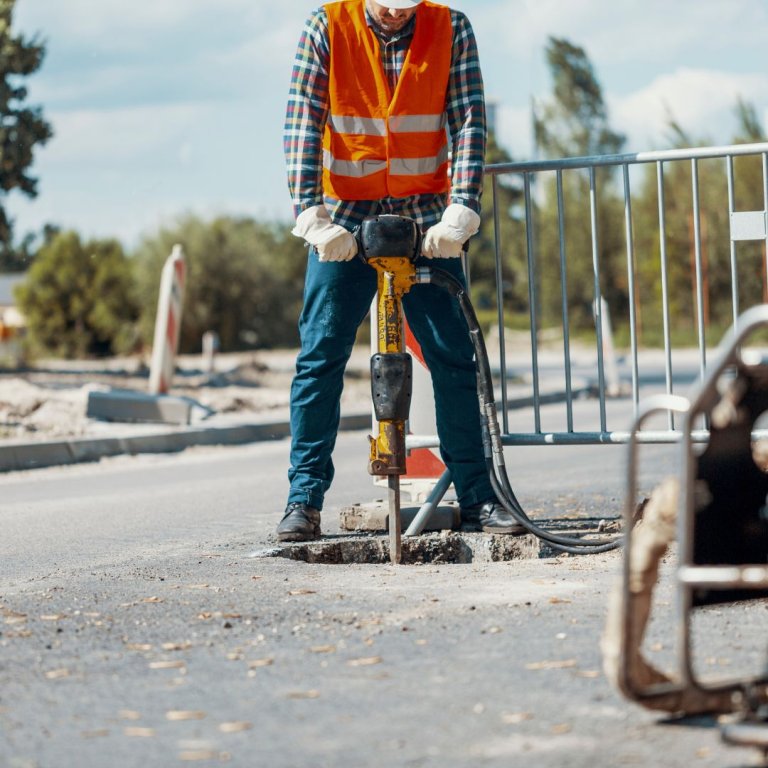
x: 390, y: 245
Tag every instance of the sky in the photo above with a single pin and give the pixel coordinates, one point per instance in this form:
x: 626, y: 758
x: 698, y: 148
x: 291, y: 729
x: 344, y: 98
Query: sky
x: 169, y: 107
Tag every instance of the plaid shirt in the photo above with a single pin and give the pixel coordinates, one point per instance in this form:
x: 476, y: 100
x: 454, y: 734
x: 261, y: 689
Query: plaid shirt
x: 307, y: 112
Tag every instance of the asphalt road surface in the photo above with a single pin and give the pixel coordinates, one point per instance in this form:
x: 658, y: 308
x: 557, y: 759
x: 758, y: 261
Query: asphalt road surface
x: 138, y: 629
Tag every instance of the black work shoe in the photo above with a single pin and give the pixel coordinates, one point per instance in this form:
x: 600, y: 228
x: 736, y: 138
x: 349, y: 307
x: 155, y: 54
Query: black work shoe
x: 490, y: 517
x: 300, y: 523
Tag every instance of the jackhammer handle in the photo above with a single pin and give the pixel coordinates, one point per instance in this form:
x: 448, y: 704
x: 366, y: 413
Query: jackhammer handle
x: 388, y: 235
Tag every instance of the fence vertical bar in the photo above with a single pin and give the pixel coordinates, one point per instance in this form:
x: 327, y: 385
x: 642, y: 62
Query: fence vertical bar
x: 734, y: 269
x: 500, y: 305
x: 765, y: 208
x: 664, y: 283
x: 532, y: 299
x: 564, y: 296
x: 697, y: 258
x: 598, y: 294
x: 631, y: 286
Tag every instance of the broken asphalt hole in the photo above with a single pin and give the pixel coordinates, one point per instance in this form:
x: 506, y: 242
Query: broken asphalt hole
x: 436, y: 547
x: 432, y: 548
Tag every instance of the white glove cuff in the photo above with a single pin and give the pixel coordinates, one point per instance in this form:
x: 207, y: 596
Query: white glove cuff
x: 461, y: 218
x: 315, y: 226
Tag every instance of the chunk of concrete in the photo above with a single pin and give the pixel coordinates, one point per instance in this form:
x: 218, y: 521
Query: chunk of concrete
x: 127, y: 405
x: 375, y: 516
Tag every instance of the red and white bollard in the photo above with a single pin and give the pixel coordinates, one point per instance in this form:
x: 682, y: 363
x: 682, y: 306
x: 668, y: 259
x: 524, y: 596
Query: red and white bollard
x: 168, y: 322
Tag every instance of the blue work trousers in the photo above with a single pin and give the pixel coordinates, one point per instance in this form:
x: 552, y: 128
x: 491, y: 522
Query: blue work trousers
x: 337, y: 297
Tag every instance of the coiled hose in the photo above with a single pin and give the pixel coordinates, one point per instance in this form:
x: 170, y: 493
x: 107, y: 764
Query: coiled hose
x: 492, y: 445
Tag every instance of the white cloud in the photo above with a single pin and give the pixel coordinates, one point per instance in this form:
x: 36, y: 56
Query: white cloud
x: 702, y: 102
x: 690, y: 58
x: 110, y: 22
x: 114, y: 26
x: 121, y: 172
x: 172, y: 50
x: 120, y: 136
x: 634, y: 30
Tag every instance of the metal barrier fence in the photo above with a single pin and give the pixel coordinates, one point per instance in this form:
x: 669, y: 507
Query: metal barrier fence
x: 645, y: 369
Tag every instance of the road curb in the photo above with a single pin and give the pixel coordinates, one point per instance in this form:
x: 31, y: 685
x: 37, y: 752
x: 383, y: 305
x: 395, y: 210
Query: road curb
x: 36, y: 455
x: 22, y: 456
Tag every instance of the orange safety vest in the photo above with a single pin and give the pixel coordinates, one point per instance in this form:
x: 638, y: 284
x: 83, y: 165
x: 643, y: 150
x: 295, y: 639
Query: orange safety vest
x: 379, y: 144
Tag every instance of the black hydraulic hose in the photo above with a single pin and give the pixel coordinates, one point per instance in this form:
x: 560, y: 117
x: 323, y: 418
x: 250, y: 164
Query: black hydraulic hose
x: 492, y: 445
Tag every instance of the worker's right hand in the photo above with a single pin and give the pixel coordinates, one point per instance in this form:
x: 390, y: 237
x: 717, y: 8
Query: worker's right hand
x: 333, y: 242
x: 445, y: 240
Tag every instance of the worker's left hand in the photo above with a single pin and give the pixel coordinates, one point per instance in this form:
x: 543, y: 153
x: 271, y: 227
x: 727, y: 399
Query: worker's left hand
x: 446, y: 238
x: 333, y: 242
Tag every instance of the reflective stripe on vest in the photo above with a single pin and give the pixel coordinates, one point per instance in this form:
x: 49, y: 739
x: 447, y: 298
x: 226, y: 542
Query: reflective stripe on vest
x: 362, y: 126
x: 416, y: 123
x: 378, y: 143
x: 371, y: 126
x: 401, y: 166
x: 355, y: 169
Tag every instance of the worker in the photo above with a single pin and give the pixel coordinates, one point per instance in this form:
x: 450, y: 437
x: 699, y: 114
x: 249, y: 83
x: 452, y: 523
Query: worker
x: 373, y: 90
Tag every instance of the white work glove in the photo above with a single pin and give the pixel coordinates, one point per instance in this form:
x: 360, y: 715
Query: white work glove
x: 446, y: 238
x: 333, y: 242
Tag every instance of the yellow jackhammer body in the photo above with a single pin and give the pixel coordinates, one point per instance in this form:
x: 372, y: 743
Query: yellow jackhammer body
x: 389, y: 244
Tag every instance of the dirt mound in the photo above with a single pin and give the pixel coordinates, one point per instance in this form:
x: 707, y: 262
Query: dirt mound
x: 49, y: 400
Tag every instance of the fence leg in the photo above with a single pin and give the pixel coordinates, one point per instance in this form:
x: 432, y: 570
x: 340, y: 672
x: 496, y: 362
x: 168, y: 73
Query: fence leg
x: 210, y: 348
x: 430, y: 505
x: 612, y: 382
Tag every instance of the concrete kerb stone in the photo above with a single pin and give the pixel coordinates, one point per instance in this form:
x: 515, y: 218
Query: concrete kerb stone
x: 16, y: 456
x: 23, y: 456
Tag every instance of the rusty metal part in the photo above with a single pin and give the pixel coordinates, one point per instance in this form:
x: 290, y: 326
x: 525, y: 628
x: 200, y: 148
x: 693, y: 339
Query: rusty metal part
x: 730, y: 526
x: 718, y: 508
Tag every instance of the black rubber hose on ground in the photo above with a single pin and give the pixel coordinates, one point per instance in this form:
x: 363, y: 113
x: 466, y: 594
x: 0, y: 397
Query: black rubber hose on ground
x: 492, y: 444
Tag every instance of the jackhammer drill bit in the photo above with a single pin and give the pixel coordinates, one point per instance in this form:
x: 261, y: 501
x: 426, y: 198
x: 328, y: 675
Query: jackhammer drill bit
x: 395, y: 523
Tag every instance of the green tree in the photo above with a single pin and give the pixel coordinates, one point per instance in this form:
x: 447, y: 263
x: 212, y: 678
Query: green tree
x: 750, y: 130
x: 749, y: 192
x: 244, y: 281
x: 714, y: 229
x: 18, y: 258
x: 22, y: 127
x: 573, y: 122
x: 79, y: 298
